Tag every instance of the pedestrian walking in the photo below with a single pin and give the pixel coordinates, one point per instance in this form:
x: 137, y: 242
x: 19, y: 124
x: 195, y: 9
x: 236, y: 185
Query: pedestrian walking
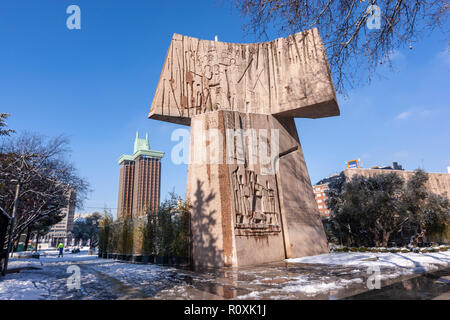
x: 61, y: 249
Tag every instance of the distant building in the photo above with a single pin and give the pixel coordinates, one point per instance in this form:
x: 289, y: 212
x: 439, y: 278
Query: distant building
x: 321, y: 199
x: 395, y: 166
x: 320, y: 189
x: 139, y: 180
x: 62, y: 231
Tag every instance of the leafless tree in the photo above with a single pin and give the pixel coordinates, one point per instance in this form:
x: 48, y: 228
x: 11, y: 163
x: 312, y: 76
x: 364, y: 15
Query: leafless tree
x: 38, y: 170
x: 4, y: 132
x: 354, y: 50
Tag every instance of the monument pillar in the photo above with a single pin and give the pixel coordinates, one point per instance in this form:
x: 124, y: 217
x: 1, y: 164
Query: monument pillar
x: 246, y: 209
x: 251, y: 195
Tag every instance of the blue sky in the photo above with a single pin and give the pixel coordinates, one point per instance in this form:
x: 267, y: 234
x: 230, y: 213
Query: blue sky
x: 96, y: 86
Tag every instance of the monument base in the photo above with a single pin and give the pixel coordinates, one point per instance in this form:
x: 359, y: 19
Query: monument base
x: 248, y: 207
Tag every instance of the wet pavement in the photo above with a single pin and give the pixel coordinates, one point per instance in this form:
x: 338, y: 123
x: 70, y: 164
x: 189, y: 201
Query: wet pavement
x: 289, y: 281
x: 103, y: 279
x: 429, y: 286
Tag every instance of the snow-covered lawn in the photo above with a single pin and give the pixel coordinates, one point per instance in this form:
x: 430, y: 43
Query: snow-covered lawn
x: 350, y: 269
x: 414, y: 262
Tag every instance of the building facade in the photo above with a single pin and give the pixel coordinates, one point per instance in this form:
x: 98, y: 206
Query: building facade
x: 320, y: 192
x: 139, y: 180
x: 321, y: 199
x: 62, y: 231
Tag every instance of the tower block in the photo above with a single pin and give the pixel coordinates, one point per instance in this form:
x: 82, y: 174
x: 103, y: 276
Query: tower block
x: 247, y: 179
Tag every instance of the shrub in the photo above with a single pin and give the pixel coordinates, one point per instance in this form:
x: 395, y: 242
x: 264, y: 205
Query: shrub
x: 149, y: 235
x: 105, y: 233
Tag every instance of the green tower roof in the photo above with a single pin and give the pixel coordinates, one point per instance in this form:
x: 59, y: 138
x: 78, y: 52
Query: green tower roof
x: 141, y: 147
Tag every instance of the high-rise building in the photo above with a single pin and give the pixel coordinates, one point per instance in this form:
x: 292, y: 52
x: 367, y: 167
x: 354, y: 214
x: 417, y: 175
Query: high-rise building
x: 139, y: 180
x: 62, y: 231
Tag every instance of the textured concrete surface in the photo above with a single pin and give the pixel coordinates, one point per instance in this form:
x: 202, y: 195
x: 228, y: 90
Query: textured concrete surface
x: 288, y: 76
x: 247, y: 210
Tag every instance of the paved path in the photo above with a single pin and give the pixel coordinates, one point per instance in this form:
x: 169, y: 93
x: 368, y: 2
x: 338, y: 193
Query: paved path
x: 109, y: 280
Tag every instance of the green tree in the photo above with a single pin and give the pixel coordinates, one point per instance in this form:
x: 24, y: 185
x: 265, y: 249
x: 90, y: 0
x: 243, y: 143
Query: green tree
x: 181, y: 217
x: 168, y: 230
x: 427, y: 213
x: 149, y: 234
x: 87, y: 229
x: 43, y: 225
x: 366, y: 210
x: 374, y: 210
x: 105, y: 232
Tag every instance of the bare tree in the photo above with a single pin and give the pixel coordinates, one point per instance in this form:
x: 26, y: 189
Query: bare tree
x: 37, y: 180
x: 351, y: 43
x: 4, y: 132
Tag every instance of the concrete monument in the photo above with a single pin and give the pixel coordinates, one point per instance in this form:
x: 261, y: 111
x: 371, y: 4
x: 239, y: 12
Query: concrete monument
x: 247, y: 178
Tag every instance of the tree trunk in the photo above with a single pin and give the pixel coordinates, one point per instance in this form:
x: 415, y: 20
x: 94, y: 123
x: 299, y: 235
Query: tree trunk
x: 414, y: 240
x: 37, y: 242
x: 386, y: 236
x: 27, y: 239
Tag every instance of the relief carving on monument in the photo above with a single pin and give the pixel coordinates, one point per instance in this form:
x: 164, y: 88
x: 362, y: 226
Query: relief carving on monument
x: 255, y: 201
x: 288, y: 76
x: 241, y: 101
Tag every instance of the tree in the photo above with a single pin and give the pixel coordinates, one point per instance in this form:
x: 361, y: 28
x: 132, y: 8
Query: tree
x: 36, y: 178
x: 149, y: 234
x: 167, y: 231
x: 4, y: 132
x: 43, y: 225
x: 366, y: 210
x: 87, y: 228
x: 350, y: 45
x: 105, y: 231
x: 375, y: 210
x: 427, y: 213
x: 181, y: 222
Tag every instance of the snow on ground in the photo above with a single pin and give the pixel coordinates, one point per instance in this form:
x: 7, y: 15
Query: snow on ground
x: 38, y: 278
x: 320, y: 276
x: 415, y: 262
x: 46, y: 278
x: 391, y: 266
